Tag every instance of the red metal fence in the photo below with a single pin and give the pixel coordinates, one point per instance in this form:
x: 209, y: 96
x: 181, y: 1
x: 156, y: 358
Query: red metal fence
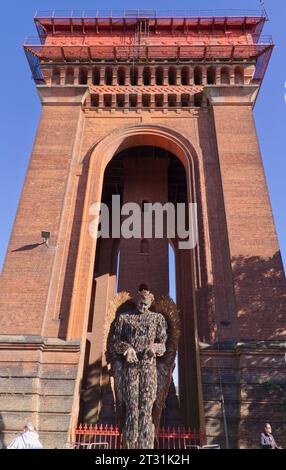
x: 109, y: 437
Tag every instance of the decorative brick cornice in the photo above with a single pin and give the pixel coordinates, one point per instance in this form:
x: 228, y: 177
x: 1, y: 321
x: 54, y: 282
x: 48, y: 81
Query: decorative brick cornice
x: 38, y: 343
x: 242, y: 346
x: 160, y: 89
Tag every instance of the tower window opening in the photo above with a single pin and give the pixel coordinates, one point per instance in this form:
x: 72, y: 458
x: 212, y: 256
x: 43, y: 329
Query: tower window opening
x: 121, y: 76
x: 172, y: 76
x: 56, y: 76
x: 225, y: 76
x: 159, y: 101
x: 107, y: 100
x: 69, y: 76
x: 211, y: 75
x: 96, y: 76
x: 185, y: 100
x: 108, y: 76
x: 239, y: 76
x: 146, y: 101
x: 83, y: 76
x: 134, y: 76
x: 198, y: 99
x: 159, y: 76
x: 95, y: 100
x: 185, y: 76
x: 133, y: 101
x: 147, y: 76
x: 171, y: 101
x: 120, y: 101
x: 198, y: 76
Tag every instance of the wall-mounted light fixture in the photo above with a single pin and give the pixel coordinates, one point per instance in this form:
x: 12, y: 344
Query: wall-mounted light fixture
x: 46, y: 236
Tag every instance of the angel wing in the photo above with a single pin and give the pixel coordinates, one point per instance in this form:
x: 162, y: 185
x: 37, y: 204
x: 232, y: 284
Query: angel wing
x: 166, y: 363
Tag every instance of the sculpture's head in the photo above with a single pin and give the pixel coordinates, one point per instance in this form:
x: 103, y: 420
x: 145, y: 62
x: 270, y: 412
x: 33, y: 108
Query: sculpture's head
x: 145, y: 300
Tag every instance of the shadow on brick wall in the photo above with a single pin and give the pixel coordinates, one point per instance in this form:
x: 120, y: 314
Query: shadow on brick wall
x: 260, y: 288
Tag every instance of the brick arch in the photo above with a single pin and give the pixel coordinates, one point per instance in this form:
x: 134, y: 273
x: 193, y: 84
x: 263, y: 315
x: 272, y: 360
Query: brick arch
x: 98, y: 157
x: 187, y: 264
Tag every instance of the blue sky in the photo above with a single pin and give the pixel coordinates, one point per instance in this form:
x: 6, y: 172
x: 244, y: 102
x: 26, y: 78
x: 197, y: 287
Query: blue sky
x: 20, y: 106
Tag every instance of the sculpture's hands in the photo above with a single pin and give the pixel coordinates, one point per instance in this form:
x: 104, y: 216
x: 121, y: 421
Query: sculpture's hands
x: 130, y: 355
x: 150, y: 352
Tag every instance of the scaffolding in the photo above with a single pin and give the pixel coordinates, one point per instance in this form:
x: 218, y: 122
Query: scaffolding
x: 211, y: 35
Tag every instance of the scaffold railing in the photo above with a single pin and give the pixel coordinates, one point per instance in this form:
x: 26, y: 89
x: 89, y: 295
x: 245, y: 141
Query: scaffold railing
x: 197, y: 41
x: 140, y: 13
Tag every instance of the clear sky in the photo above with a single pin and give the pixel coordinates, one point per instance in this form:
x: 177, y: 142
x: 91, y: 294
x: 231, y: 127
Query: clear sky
x: 20, y: 106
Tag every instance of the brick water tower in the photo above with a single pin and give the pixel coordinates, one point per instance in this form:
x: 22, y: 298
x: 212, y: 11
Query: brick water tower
x: 152, y: 107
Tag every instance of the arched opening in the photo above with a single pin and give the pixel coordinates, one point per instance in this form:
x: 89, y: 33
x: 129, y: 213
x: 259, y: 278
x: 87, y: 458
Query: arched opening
x: 239, y: 75
x: 159, y: 76
x: 109, y: 154
x: 225, y: 76
x: 185, y: 76
x: 56, y: 76
x: 172, y: 75
x: 108, y: 76
x: 69, y: 76
x: 147, y: 76
x: 211, y: 75
x: 121, y: 76
x: 83, y: 76
x: 134, y: 76
x: 96, y: 76
x: 198, y: 76
x: 123, y: 176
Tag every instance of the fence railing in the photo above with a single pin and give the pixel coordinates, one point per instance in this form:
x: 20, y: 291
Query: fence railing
x: 110, y: 437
